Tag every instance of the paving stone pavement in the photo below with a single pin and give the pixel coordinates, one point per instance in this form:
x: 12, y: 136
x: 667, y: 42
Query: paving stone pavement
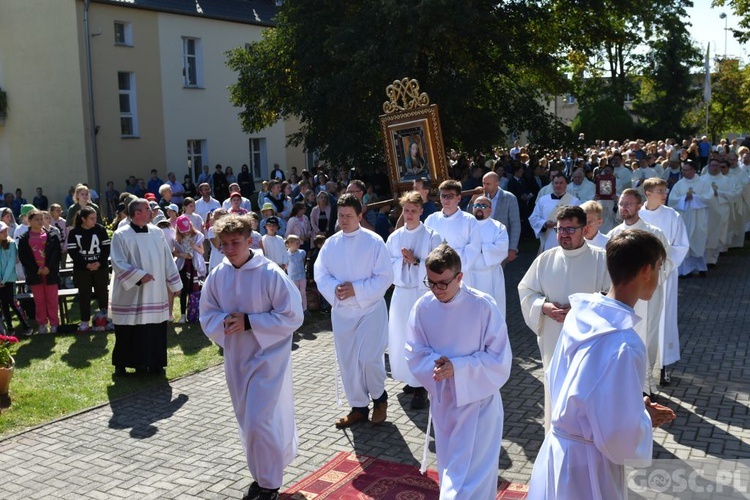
x: 180, y: 439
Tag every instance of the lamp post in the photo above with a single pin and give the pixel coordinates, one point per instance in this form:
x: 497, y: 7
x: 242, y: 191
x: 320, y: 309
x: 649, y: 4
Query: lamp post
x: 723, y: 16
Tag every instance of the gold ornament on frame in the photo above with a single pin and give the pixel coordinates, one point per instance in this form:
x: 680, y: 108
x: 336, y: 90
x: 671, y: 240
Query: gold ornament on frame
x: 404, y: 95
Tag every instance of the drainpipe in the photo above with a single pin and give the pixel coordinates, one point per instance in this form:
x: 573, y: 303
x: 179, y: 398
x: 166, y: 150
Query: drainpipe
x: 92, y: 119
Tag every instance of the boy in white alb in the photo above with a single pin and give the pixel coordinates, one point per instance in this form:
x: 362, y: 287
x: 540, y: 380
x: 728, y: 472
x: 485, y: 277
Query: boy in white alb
x: 457, y: 347
x: 251, y: 309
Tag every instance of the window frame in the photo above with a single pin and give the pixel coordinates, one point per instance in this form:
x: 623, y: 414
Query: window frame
x: 127, y: 34
x: 197, y: 58
x: 132, y: 113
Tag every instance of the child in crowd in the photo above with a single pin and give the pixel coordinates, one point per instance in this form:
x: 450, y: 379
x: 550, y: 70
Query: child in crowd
x: 188, y: 252
x: 273, y: 244
x: 39, y: 253
x: 89, y: 247
x: 8, y: 255
x: 169, y: 235
x: 296, y: 269
x: 262, y: 193
x: 251, y: 309
x: 266, y: 211
x: 299, y: 225
x: 188, y: 207
x: 256, y: 240
x: 172, y: 213
x: 216, y: 255
x: 23, y: 222
x: 55, y: 211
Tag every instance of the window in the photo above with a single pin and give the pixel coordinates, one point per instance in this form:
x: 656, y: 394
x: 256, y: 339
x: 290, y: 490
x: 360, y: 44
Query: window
x: 196, y: 157
x: 569, y: 99
x: 258, y: 162
x: 192, y: 63
x: 123, y: 34
x: 128, y: 115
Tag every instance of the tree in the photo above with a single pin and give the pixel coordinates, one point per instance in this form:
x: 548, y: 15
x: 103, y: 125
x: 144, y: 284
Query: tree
x: 668, y: 91
x: 729, y: 109
x: 742, y: 9
x: 486, y: 64
x: 603, y: 119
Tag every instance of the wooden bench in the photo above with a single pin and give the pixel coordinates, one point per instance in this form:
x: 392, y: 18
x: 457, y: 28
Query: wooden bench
x: 63, y: 295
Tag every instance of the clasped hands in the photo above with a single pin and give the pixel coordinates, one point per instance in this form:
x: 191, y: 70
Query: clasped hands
x: 555, y: 311
x: 408, y: 256
x: 344, y: 291
x: 443, y: 369
x: 234, y: 323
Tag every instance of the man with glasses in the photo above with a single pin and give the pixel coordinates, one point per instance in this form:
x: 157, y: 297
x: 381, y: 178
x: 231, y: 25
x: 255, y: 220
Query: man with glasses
x: 572, y: 267
x: 353, y: 272
x: 487, y: 270
x: 457, y: 228
x: 542, y: 219
x: 669, y: 221
x: 458, y: 348
x: 650, y: 312
x: 504, y: 210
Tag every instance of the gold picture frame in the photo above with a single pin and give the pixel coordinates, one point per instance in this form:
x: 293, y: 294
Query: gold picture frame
x: 412, y: 137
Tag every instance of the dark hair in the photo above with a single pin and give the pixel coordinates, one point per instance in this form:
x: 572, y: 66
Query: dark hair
x: 188, y: 201
x: 425, y: 182
x: 629, y: 252
x: 443, y: 257
x: 349, y: 200
x: 297, y: 207
x: 559, y: 175
x: 82, y: 214
x: 450, y: 185
x: 360, y: 185
x: 568, y: 212
x: 134, y: 204
x: 319, y: 239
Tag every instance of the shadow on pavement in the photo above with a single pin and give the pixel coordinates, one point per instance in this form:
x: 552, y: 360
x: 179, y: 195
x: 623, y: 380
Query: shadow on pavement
x: 139, y: 413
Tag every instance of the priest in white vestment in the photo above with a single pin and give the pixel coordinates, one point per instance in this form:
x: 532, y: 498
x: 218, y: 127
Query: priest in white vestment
x: 718, y: 211
x: 353, y: 272
x: 572, y: 267
x: 669, y: 221
x: 143, y: 271
x: 690, y: 196
x: 623, y: 175
x: 458, y: 348
x: 736, y: 224
x: 651, y: 312
x: 487, y: 269
x: 408, y: 248
x: 542, y: 219
x: 594, y: 221
x: 457, y: 228
x: 580, y: 187
x: 251, y: 309
x: 600, y: 421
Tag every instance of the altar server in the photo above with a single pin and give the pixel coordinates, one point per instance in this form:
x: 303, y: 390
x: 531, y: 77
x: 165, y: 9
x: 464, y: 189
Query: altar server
x: 458, y: 348
x: 353, y: 272
x: 543, y: 220
x: 718, y: 211
x: 251, y: 308
x: 487, y: 270
x: 408, y: 247
x: 457, y: 228
x: 599, y: 418
x: 669, y: 221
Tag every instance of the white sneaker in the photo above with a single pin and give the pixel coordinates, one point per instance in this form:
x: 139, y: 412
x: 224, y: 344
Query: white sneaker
x: 85, y: 326
x: 181, y: 320
x: 43, y: 329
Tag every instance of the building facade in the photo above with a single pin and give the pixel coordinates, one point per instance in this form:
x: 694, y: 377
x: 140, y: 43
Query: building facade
x: 159, y: 88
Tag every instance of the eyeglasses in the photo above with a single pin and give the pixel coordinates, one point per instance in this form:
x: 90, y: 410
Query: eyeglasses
x: 447, y: 196
x: 440, y: 285
x: 481, y: 205
x: 567, y: 230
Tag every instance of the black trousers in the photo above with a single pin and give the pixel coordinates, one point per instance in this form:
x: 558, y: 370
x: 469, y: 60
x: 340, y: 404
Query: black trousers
x: 85, y: 280
x: 8, y: 301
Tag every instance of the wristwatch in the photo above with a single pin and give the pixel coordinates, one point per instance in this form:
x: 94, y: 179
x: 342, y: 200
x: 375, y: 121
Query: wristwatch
x: 416, y: 261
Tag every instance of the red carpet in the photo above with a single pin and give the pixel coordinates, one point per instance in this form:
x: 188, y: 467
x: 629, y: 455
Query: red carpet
x: 349, y: 477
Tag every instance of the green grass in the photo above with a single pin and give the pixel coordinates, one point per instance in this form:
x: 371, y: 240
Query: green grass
x: 60, y: 374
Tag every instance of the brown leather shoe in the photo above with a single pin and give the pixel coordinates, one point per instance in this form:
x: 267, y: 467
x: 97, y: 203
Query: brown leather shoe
x: 379, y: 413
x: 352, y: 418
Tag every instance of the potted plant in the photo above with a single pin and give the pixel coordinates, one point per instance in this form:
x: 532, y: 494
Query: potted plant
x: 7, y: 366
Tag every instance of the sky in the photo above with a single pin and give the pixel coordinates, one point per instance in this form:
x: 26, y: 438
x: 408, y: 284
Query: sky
x: 707, y: 27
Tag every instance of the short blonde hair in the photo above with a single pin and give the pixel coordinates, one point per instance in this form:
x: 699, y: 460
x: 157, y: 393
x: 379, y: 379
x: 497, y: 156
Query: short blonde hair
x: 593, y: 206
x: 653, y: 183
x: 292, y: 238
x: 411, y: 197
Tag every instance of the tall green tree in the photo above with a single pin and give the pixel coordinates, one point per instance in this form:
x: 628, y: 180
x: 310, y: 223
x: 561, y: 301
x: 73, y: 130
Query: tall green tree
x: 668, y: 91
x: 485, y: 63
x: 729, y: 109
x: 742, y: 9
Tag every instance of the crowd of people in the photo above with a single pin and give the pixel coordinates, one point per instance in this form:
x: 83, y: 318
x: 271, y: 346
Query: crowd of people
x: 334, y: 234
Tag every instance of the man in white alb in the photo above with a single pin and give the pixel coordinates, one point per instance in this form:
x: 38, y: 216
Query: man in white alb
x: 542, y: 219
x: 669, y: 221
x: 408, y: 247
x: 457, y: 228
x: 650, y: 312
x: 572, y: 267
x: 718, y: 211
x: 581, y: 187
x: 487, y: 271
x: 353, y: 272
x: 690, y: 196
